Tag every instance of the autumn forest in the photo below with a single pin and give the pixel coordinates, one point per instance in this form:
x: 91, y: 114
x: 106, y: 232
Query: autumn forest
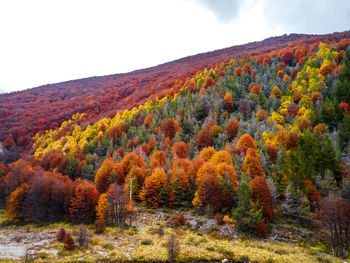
x: 252, y: 136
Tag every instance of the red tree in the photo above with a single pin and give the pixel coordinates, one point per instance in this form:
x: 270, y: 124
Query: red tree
x: 232, y: 129
x: 272, y: 151
x: 208, y: 192
x: 83, y: 202
x: 204, y: 138
x: 180, y: 150
x: 261, y: 196
x: 169, y: 128
x: 288, y: 57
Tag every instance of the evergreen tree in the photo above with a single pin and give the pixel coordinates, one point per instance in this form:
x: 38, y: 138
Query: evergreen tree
x: 304, y: 162
x: 328, y: 113
x: 342, y: 88
x: 262, y: 100
x: 344, y: 131
x: 245, y: 214
x: 328, y: 159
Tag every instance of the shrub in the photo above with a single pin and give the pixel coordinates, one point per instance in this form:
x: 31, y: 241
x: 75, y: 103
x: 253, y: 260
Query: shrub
x: 83, y: 236
x: 61, y: 235
x: 146, y: 242
x: 178, y: 220
x: 173, y: 247
x: 227, y: 219
x: 160, y: 231
x: 100, y: 227
x: 244, y: 258
x: 260, y: 229
x: 108, y: 246
x: 42, y: 255
x: 219, y: 219
x: 69, y: 242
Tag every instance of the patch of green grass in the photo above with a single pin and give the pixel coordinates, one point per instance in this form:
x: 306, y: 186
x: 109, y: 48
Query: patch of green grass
x: 323, y: 259
x: 64, y: 252
x: 3, y: 219
x: 225, y: 252
x: 152, y: 231
x: 108, y: 246
x: 244, y: 258
x: 146, y: 242
x: 42, y: 255
x: 281, y: 251
x: 210, y: 249
x: 132, y: 231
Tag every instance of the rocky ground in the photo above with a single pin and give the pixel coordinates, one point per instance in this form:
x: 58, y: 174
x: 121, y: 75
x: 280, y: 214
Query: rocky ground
x: 40, y: 242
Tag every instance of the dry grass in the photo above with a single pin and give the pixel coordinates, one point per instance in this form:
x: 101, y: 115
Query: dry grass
x: 131, y: 245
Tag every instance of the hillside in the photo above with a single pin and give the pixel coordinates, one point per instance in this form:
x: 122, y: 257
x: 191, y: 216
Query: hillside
x: 241, y: 149
x: 46, y: 107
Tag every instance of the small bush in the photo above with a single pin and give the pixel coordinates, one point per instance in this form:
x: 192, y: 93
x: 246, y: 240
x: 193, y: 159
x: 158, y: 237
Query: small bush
x: 112, y: 254
x: 244, y: 259
x: 323, y: 259
x: 219, y: 219
x: 152, y: 231
x: 225, y: 252
x: 178, y: 220
x: 227, y: 220
x: 132, y: 231
x: 42, y: 255
x: 83, y: 236
x: 61, y: 235
x: 161, y: 231
x: 108, y: 246
x: 281, y: 251
x: 100, y: 227
x: 260, y: 229
x: 173, y: 247
x: 69, y: 242
x: 96, y: 241
x: 210, y: 249
x: 146, y: 242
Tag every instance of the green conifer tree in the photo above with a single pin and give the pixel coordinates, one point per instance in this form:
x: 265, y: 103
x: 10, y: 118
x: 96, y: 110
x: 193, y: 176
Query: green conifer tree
x: 245, y: 214
x: 342, y: 88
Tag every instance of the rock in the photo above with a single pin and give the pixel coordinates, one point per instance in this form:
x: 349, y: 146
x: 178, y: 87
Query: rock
x: 101, y: 253
x: 274, y: 237
x: 224, y: 260
x: 127, y: 255
x: 226, y: 230
x: 139, y: 228
x: 207, y: 225
x: 193, y: 223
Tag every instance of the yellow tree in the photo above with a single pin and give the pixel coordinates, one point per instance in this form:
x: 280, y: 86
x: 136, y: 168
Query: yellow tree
x: 251, y: 164
x: 102, y: 208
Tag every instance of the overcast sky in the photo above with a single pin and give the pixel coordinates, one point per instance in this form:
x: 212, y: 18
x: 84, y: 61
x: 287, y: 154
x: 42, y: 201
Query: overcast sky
x: 48, y: 41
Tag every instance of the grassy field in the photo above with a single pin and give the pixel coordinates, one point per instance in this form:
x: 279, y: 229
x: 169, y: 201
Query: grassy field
x: 146, y: 245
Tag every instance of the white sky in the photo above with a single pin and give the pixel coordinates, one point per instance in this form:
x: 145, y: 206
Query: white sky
x: 47, y: 41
